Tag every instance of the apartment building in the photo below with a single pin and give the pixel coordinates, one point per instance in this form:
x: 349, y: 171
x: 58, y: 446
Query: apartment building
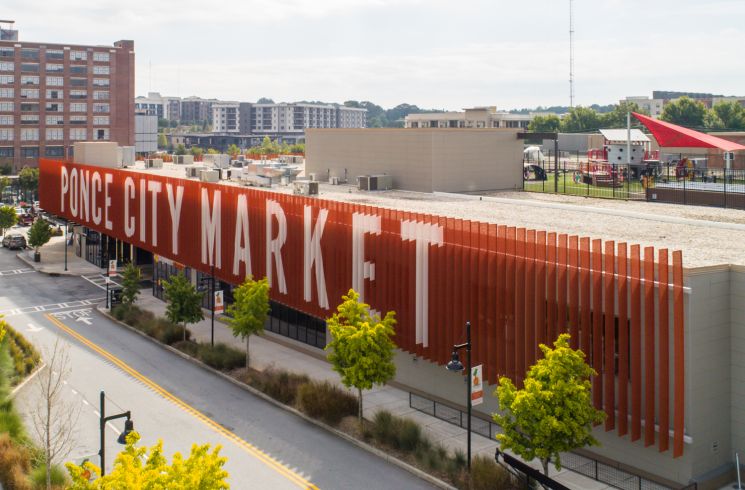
x: 52, y: 95
x: 157, y: 105
x: 197, y: 110
x: 474, y: 118
x: 654, y: 105
x: 225, y: 117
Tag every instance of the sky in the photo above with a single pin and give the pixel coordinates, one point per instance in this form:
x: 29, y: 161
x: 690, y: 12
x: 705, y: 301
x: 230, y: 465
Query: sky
x: 437, y: 54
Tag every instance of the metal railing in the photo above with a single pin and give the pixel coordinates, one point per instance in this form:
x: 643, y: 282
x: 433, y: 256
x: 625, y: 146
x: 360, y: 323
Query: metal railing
x: 608, y: 473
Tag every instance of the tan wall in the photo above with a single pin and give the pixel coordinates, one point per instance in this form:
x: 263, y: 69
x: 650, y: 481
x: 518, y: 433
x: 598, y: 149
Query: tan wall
x: 422, y: 160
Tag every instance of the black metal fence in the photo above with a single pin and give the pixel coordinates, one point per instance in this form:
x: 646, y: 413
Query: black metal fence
x: 676, y: 182
x: 608, y: 473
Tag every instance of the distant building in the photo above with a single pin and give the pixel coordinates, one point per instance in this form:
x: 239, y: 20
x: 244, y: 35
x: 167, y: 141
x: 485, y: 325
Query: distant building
x: 146, y: 132
x: 655, y: 104
x: 474, y: 118
x: 225, y: 117
x: 157, y: 105
x: 647, y: 104
x: 195, y: 110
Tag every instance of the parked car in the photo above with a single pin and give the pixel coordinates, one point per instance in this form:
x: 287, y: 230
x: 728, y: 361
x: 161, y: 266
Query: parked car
x: 25, y: 219
x: 14, y: 241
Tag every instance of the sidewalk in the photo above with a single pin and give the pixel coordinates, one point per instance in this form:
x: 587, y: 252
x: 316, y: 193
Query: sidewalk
x: 53, y: 259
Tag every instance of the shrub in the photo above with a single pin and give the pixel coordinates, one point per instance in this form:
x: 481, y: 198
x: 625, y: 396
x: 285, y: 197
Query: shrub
x: 281, y: 385
x: 221, y: 356
x: 487, y: 474
x: 187, y: 347
x: 14, y: 464
x: 118, y: 312
x: 170, y: 333
x: 382, y: 428
x: 409, y: 435
x: 58, y: 476
x: 326, y: 402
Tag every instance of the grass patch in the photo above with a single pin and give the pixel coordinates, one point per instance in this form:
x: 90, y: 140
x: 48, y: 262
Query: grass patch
x: 24, y: 356
x: 58, y: 477
x: 325, y: 401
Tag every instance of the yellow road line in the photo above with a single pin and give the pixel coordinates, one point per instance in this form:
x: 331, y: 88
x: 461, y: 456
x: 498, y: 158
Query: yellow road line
x: 246, y: 446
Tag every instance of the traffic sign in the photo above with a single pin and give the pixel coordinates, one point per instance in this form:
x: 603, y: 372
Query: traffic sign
x: 477, y: 387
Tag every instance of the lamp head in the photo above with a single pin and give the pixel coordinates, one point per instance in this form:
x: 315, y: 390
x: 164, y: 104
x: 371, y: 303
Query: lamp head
x: 129, y: 426
x: 455, y: 364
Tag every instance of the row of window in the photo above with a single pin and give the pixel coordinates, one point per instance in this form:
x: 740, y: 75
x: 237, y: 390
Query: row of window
x: 53, y: 134
x: 53, y: 81
x: 33, y: 93
x: 55, y: 107
x: 33, y: 151
x: 7, y: 120
x: 54, y: 54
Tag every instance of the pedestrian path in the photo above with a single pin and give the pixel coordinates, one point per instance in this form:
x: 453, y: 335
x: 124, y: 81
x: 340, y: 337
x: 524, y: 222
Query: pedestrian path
x: 53, y: 259
x: 99, y: 280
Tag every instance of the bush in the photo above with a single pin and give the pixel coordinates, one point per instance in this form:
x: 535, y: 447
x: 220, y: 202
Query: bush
x: 14, y: 464
x: 170, y: 333
x: 399, y: 433
x: 24, y: 357
x: 487, y: 474
x: 58, y: 476
x: 221, y: 356
x: 382, y: 428
x: 283, y: 386
x: 118, y: 312
x: 409, y: 435
x: 187, y: 347
x: 326, y: 402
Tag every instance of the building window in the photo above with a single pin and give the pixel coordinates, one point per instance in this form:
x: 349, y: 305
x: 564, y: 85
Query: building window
x: 78, y: 94
x: 102, y: 134
x: 55, y: 94
x: 7, y: 52
x: 29, y: 107
x: 29, y: 93
x: 100, y: 120
x: 78, y: 107
x: 100, y: 69
x: 7, y: 134
x: 78, y: 120
x: 101, y: 95
x: 55, y: 54
x: 54, y: 151
x: 77, y: 134
x: 100, y: 107
x: 6, y: 79
x: 29, y: 134
x: 30, y: 152
x: 78, y: 55
x: 55, y: 106
x: 54, y: 120
x: 100, y: 56
x: 78, y: 82
x: 29, y: 80
x: 6, y: 151
x: 101, y: 82
x: 6, y: 120
x: 54, y: 81
x: 7, y: 93
x: 7, y: 66
x: 29, y: 119
x: 55, y: 68
x: 30, y: 67
x: 6, y: 107
x: 55, y: 134
x: 29, y: 54
x: 79, y: 70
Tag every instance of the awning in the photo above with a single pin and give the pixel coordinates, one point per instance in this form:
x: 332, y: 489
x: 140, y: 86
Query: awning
x: 621, y: 135
x: 670, y: 135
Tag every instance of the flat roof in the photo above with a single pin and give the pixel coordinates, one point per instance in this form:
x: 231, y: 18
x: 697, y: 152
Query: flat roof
x: 706, y: 236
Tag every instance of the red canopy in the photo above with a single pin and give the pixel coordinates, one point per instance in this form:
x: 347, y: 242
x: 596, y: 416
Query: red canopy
x: 671, y: 135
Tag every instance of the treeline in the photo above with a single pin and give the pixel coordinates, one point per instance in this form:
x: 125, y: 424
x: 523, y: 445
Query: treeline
x: 377, y: 117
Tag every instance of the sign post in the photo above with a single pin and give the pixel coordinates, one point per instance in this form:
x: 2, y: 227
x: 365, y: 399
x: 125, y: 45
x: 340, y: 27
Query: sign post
x: 477, y: 387
x: 110, y: 271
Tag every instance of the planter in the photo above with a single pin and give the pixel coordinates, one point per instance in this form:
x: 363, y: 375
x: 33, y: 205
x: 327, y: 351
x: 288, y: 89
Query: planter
x: 37, y: 257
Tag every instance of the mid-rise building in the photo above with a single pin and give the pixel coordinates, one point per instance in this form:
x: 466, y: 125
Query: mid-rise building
x: 225, y: 117
x: 54, y: 94
x: 146, y: 132
x: 157, y: 105
x: 197, y: 110
x: 474, y: 118
x: 660, y: 98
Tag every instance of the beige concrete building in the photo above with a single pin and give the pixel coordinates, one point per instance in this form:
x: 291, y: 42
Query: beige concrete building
x: 423, y: 160
x: 475, y: 117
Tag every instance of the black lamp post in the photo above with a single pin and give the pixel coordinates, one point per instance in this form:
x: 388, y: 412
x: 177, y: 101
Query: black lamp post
x: 122, y: 439
x: 457, y: 366
x: 66, y: 230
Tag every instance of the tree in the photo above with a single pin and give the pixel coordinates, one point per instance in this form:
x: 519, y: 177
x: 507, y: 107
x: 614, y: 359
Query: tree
x: 684, y: 112
x: 130, y: 284
x: 725, y: 115
x: 6, y: 169
x: 264, y: 100
x: 249, y: 310
x: 580, y: 119
x: 54, y: 418
x: 233, y: 150
x: 162, y: 141
x: 8, y: 218
x: 196, y: 151
x: 28, y: 180
x: 184, y: 301
x: 553, y: 413
x: 545, y: 124
x: 617, y: 117
x: 39, y: 234
x: 180, y: 149
x: 361, y: 346
x: 148, y: 468
x: 212, y: 151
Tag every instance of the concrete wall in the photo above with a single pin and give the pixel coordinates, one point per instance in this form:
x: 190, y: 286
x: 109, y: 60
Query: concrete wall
x: 422, y: 160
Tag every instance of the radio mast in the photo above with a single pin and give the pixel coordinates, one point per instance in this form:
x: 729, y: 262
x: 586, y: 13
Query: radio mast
x: 571, y: 56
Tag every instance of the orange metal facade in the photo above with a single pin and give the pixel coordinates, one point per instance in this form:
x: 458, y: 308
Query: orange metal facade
x: 518, y: 287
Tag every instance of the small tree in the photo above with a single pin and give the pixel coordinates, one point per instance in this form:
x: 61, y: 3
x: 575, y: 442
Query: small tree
x: 684, y: 111
x: 8, y: 218
x: 139, y: 467
x: 553, y: 413
x: 39, y: 234
x: 249, y: 310
x: 28, y: 180
x: 130, y: 284
x: 233, y: 150
x: 184, y: 301
x: 162, y: 141
x: 361, y: 345
x: 180, y: 149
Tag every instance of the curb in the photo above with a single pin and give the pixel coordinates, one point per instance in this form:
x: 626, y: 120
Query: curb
x: 31, y: 263
x: 28, y: 379
x: 360, y: 444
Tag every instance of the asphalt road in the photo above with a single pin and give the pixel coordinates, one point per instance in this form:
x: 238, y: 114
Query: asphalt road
x: 172, y: 399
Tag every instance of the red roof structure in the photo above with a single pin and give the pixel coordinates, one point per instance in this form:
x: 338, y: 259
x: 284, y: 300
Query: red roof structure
x: 671, y: 135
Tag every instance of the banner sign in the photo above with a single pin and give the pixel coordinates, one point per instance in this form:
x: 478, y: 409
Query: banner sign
x: 219, y: 301
x: 477, y: 387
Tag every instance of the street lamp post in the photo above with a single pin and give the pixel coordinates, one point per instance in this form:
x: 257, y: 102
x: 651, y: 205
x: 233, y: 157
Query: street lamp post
x: 128, y: 427
x: 66, y: 229
x: 456, y: 366
x: 212, y: 291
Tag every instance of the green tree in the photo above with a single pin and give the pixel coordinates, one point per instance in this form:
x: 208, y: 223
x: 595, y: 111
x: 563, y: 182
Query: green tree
x: 149, y: 469
x: 8, y: 218
x: 28, y: 180
x: 180, y: 149
x: 130, y: 284
x: 249, y: 310
x: 6, y: 169
x: 39, y: 234
x: 184, y: 301
x: 580, y: 119
x: 545, y: 124
x: 684, y: 111
x: 196, y: 151
x: 617, y: 117
x: 725, y: 115
x: 361, y: 349
x: 212, y: 151
x: 162, y: 141
x: 233, y: 150
x: 553, y: 413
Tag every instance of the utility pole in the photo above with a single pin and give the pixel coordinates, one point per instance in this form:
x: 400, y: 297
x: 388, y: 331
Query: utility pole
x: 571, y: 55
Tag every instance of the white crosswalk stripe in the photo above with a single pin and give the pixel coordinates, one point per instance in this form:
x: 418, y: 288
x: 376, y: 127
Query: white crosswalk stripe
x: 50, y: 307
x: 99, y: 280
x: 16, y: 271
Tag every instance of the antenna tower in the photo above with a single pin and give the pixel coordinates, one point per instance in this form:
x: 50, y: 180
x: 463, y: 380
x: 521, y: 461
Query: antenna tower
x: 571, y: 55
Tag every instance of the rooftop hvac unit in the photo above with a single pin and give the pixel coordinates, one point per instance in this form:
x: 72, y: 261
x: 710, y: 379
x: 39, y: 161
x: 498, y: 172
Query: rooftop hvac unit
x: 375, y: 182
x: 334, y: 180
x: 226, y: 173
x: 209, y: 175
x: 183, y: 159
x: 312, y: 177
x: 154, y: 163
x: 218, y: 160
x: 363, y: 182
x: 192, y: 172
x: 305, y: 188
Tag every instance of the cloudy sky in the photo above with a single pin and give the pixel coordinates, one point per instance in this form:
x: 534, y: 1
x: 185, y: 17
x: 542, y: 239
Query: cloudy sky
x: 434, y: 53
